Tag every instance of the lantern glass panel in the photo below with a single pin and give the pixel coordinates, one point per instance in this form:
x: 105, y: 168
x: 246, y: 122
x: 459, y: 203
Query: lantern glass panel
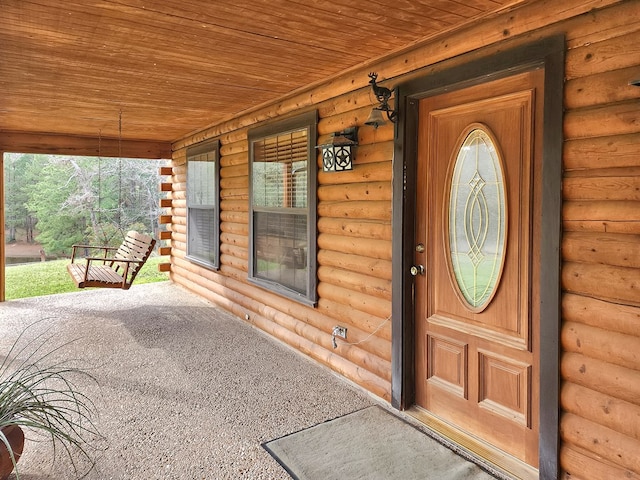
x: 342, y: 155
x: 328, y: 158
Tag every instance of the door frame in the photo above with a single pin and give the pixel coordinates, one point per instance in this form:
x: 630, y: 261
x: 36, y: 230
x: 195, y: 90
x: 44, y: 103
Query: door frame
x: 474, y: 68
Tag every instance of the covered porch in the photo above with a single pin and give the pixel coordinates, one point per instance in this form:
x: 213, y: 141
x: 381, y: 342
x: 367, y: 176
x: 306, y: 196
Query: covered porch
x: 555, y: 365
x: 183, y: 389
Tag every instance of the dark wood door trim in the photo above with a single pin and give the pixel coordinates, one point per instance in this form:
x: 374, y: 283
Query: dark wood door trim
x: 548, y: 54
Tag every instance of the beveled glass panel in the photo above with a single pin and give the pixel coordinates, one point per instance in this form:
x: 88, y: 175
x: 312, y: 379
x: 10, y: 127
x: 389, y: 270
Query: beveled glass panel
x: 477, y: 219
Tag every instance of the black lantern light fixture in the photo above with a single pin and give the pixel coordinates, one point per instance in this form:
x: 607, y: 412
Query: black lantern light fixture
x: 383, y: 94
x: 337, y: 153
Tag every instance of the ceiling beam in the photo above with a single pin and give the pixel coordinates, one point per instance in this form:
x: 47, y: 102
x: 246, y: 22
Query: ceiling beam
x: 24, y: 142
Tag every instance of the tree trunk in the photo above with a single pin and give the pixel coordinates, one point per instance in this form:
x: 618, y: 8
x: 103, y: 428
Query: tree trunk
x: 29, y: 227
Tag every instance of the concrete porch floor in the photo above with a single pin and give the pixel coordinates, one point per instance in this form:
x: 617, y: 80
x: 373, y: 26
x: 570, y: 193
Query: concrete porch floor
x: 185, y: 390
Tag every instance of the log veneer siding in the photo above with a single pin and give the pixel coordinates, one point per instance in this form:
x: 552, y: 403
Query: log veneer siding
x: 600, y: 367
x: 600, y: 335
x: 355, y: 214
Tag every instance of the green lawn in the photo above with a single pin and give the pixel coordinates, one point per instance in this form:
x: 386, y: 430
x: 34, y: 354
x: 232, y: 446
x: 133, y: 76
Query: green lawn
x: 45, y: 278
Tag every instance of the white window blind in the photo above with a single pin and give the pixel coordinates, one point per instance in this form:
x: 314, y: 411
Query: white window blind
x: 203, y: 205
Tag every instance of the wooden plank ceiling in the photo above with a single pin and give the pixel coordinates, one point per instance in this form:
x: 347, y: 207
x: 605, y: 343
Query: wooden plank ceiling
x: 170, y: 67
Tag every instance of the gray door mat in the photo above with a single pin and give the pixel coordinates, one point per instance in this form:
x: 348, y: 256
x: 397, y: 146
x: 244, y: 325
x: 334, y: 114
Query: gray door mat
x: 369, y: 444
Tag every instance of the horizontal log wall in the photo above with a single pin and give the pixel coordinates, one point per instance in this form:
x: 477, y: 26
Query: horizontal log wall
x: 354, y: 256
x: 600, y: 365
x: 600, y: 396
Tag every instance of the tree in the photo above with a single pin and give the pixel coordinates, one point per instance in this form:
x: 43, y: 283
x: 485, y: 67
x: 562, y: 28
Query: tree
x: 59, y: 224
x: 93, y: 200
x: 19, y: 174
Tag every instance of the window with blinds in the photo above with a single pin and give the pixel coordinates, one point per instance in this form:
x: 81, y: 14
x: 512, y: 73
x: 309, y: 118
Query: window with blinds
x: 203, y: 211
x: 283, y: 207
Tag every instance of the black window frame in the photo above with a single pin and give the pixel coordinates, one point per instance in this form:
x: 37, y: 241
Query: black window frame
x: 307, y: 121
x: 207, y: 147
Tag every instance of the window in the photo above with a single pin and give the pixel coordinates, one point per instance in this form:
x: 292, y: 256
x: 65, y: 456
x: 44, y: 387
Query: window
x: 282, y: 173
x: 203, y: 205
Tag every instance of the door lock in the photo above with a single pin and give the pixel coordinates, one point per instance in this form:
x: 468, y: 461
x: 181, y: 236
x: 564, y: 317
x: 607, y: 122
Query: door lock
x: 417, y: 270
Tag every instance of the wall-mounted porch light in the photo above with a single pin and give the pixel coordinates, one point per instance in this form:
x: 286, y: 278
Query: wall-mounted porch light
x: 383, y: 94
x: 338, y: 152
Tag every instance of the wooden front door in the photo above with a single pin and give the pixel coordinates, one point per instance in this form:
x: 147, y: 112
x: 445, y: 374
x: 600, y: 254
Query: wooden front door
x: 478, y: 216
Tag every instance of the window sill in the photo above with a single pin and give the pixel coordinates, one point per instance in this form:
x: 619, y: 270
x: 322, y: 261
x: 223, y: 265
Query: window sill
x: 283, y: 291
x: 202, y: 263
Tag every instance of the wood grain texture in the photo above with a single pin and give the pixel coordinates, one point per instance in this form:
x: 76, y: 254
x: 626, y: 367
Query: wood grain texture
x: 602, y: 248
x: 611, y: 412
x: 612, y: 347
x: 208, y: 62
x: 590, y: 436
x: 597, y: 313
x: 615, y: 284
x: 362, y: 228
x: 578, y: 464
x: 367, y: 247
x: 601, y: 376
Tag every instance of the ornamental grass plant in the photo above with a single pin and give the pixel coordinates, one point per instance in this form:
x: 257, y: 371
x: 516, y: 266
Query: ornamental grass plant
x: 39, y: 393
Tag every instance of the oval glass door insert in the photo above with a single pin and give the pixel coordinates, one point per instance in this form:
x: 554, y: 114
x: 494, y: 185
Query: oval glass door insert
x: 477, y: 218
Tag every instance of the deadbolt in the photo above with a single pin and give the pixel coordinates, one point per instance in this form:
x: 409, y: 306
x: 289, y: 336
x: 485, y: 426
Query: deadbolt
x: 420, y: 248
x: 417, y: 270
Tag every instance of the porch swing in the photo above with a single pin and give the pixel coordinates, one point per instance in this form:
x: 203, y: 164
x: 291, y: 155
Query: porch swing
x: 105, y: 266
